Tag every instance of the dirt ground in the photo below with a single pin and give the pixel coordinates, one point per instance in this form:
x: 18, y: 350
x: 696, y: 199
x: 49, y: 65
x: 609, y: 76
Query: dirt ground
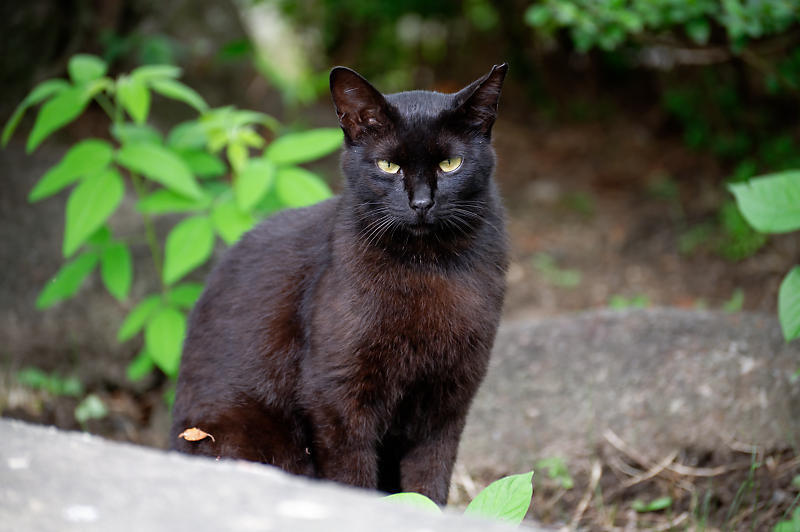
x: 599, y: 214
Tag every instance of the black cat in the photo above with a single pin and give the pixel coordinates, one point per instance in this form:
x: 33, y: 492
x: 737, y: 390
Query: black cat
x: 346, y: 340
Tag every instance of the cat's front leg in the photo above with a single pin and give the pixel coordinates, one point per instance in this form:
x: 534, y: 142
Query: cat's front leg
x: 428, y: 465
x: 344, y: 447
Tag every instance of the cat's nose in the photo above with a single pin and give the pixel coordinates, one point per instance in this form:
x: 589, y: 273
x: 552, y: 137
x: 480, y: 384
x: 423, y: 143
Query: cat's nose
x: 421, y: 205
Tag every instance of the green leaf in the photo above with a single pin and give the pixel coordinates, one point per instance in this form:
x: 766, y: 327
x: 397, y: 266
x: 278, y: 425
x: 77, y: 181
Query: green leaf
x: 62, y: 109
x: 298, y: 187
x: 33, y: 378
x: 417, y: 500
x: 230, y: 222
x: 89, y: 206
x: 238, y: 155
x: 116, y: 269
x: 557, y: 470
x: 698, y: 30
x: 92, y: 407
x: 140, y: 367
x: 67, y: 281
x: 70, y: 386
x: 101, y: 237
x: 202, y: 163
x: 189, y: 245
x: 150, y: 72
x: 187, y: 135
x: 134, y: 97
x: 789, y: 304
x: 178, y: 91
x: 662, y: 503
x: 39, y: 93
x: 506, y: 499
x: 161, y: 165
x: 771, y: 204
x: 787, y: 526
x: 165, y: 201
x: 244, y: 117
x: 249, y: 137
x: 52, y: 383
x: 253, y: 182
x: 734, y: 304
x: 83, y: 159
x: 185, y: 295
x: 127, y: 133
x: 138, y: 317
x: 169, y: 396
x: 163, y: 339
x: 45, y: 89
x: 92, y: 88
x: 305, y: 146
x: 85, y: 67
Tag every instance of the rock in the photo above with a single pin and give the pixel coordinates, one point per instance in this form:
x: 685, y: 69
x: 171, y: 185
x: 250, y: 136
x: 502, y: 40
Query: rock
x: 661, y: 379
x: 61, y: 481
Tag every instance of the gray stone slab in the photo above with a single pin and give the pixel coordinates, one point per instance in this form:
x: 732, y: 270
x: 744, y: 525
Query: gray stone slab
x: 62, y: 481
x: 661, y: 379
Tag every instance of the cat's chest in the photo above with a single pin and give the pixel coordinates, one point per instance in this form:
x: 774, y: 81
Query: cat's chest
x: 419, y: 315
x: 422, y: 301
x: 407, y: 320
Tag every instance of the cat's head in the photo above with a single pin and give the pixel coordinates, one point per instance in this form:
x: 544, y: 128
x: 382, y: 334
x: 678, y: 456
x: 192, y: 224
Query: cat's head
x: 419, y: 162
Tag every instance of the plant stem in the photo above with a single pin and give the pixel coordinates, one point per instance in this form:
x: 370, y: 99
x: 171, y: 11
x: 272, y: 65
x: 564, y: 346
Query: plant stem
x: 139, y: 187
x: 106, y: 105
x: 149, y: 230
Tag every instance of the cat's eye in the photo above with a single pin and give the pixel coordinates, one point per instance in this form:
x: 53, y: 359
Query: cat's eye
x: 450, y: 164
x: 387, y: 166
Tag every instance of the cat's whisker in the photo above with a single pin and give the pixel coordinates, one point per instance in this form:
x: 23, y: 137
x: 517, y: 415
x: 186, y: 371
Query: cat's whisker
x: 386, y: 229
x: 376, y: 233
x: 371, y: 213
x: 371, y: 227
x: 451, y: 222
x: 476, y: 216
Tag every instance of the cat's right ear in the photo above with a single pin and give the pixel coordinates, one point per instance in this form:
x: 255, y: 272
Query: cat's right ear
x: 359, y: 105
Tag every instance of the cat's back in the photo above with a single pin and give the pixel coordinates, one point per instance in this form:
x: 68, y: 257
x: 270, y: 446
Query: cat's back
x: 259, y: 281
x: 289, y: 241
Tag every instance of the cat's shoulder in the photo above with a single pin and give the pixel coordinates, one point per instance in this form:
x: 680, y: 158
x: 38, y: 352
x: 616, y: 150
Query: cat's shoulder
x: 298, y: 222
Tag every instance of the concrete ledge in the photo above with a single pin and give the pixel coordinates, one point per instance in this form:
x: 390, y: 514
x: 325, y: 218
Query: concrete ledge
x: 62, y: 481
x: 661, y: 379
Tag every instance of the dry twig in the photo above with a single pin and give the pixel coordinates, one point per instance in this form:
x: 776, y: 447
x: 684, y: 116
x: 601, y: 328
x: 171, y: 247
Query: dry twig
x: 465, y: 479
x: 597, y: 470
x: 672, y: 524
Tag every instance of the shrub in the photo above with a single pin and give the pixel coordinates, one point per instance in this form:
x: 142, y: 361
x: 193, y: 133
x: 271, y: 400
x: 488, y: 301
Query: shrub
x: 771, y: 204
x: 183, y: 172
x: 607, y: 24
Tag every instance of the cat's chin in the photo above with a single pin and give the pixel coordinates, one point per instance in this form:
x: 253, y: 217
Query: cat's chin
x: 419, y: 229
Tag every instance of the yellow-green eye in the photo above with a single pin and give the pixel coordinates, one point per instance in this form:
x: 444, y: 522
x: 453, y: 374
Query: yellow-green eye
x: 451, y: 164
x: 388, y: 167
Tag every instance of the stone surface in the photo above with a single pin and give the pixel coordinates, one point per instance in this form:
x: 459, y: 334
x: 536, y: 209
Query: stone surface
x: 661, y: 379
x: 61, y: 481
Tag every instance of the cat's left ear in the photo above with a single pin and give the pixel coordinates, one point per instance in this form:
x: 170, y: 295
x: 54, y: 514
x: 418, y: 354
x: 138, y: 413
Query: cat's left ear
x: 477, y: 102
x: 360, y: 107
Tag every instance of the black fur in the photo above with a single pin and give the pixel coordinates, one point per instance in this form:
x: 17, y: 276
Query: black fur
x: 346, y: 340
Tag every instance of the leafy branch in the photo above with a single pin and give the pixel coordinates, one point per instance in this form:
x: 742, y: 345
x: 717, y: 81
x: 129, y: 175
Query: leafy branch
x: 217, y: 170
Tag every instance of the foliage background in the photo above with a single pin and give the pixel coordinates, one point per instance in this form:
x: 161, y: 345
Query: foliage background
x: 623, y: 125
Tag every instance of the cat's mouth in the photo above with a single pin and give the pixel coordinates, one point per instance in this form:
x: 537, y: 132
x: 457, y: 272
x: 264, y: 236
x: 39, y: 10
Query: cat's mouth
x: 419, y: 228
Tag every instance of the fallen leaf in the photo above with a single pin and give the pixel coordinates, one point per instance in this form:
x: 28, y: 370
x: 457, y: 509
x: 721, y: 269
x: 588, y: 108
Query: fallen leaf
x: 195, y: 434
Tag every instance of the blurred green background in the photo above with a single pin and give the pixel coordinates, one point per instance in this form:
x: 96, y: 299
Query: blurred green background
x: 622, y: 123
